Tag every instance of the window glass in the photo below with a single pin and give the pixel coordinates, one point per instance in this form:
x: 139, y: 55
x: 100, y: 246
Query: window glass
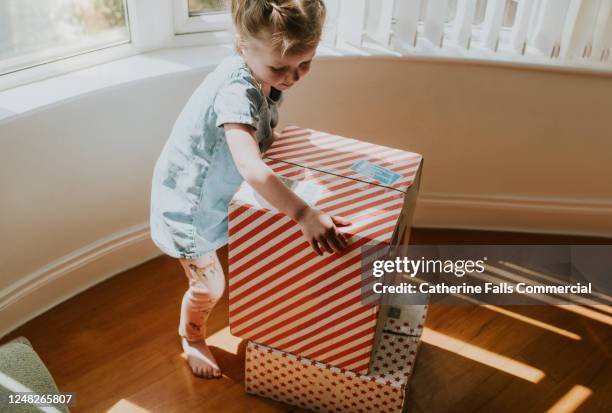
x: 510, y: 13
x: 34, y: 31
x: 479, y: 13
x: 207, y: 6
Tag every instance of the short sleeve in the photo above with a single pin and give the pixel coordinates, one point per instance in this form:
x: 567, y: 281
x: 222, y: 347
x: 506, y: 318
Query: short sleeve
x: 238, y: 101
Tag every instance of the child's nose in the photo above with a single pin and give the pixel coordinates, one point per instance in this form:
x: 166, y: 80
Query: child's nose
x: 296, y: 75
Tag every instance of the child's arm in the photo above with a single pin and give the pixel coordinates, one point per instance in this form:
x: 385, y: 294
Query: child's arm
x: 317, y: 226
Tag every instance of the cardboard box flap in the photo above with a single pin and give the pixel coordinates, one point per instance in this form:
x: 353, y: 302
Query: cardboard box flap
x: 346, y: 157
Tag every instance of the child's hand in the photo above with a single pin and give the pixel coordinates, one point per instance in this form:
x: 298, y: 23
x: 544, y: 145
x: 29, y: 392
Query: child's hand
x: 320, y: 228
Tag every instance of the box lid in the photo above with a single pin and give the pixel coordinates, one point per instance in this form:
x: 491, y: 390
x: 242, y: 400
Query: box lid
x: 346, y: 157
x: 373, y: 210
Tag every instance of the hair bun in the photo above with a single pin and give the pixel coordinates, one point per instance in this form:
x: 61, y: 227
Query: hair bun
x: 294, y: 24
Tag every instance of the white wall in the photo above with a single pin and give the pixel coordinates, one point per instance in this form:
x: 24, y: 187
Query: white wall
x: 505, y: 148
x: 511, y: 149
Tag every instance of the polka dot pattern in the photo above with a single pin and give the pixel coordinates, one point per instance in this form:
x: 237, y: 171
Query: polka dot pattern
x: 409, y: 321
x: 321, y: 387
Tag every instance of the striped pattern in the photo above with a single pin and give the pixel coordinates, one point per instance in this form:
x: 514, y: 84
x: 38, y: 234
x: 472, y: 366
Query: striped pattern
x: 336, y: 154
x: 283, y: 295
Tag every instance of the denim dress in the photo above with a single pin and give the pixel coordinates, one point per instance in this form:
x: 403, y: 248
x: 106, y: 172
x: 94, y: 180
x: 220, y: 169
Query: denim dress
x: 195, y: 176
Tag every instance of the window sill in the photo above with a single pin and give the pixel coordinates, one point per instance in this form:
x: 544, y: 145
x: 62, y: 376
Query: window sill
x: 27, y: 98
x: 33, y: 96
x: 478, y: 56
x: 30, y: 97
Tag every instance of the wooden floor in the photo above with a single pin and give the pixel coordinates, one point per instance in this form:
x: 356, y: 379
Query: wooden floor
x: 116, y: 346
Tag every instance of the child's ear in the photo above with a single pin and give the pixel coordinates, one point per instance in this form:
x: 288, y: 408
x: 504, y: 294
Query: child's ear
x: 239, y: 44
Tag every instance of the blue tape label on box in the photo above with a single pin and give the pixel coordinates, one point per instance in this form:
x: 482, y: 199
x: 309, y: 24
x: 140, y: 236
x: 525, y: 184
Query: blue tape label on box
x: 383, y: 175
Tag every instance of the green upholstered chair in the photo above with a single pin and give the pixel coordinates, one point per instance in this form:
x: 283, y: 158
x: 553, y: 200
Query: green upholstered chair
x: 20, y: 367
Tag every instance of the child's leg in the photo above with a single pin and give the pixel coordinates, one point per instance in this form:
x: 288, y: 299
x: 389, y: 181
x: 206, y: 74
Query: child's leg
x: 206, y: 285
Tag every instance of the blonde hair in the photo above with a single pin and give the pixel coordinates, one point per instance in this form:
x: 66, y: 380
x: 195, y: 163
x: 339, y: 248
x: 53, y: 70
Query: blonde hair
x: 294, y: 25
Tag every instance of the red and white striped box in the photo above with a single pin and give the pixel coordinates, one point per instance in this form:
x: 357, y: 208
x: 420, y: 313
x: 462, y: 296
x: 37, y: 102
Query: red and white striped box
x: 354, y: 159
x: 348, y: 157
x: 320, y: 387
x: 281, y: 293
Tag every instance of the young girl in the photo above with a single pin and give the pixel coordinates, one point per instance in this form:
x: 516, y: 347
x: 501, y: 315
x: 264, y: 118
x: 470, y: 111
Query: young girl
x: 218, y: 141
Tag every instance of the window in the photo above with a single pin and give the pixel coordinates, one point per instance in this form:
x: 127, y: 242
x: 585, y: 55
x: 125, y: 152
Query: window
x: 33, y: 32
x: 574, y: 33
x: 198, y: 7
x: 479, y: 11
x: 194, y: 16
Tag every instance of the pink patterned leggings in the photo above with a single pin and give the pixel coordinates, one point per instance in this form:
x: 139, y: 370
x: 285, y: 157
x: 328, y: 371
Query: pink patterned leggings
x: 206, y: 286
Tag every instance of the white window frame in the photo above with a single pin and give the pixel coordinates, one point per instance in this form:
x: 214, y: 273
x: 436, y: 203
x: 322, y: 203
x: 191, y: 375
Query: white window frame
x: 485, y: 49
x: 142, y: 16
x: 65, y: 65
x: 209, y: 22
x: 160, y: 24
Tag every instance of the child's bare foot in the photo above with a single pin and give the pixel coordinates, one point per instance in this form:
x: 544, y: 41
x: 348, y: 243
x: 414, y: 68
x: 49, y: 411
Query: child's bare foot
x: 200, y: 359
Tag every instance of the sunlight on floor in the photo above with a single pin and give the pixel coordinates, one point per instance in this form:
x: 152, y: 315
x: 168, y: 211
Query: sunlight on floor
x: 224, y: 340
x: 587, y: 312
x: 517, y: 316
x: 124, y: 405
x: 523, y: 318
x: 480, y: 355
x: 550, y: 279
x: 575, y: 308
x: 571, y: 400
x: 533, y: 322
x: 603, y: 308
x: 550, y: 298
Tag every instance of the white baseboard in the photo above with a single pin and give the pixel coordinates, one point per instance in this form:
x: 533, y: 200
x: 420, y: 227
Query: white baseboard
x: 73, y: 273
x: 41, y: 290
x: 515, y: 214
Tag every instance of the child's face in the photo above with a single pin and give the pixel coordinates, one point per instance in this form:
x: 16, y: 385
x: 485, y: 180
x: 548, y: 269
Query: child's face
x: 270, y: 67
